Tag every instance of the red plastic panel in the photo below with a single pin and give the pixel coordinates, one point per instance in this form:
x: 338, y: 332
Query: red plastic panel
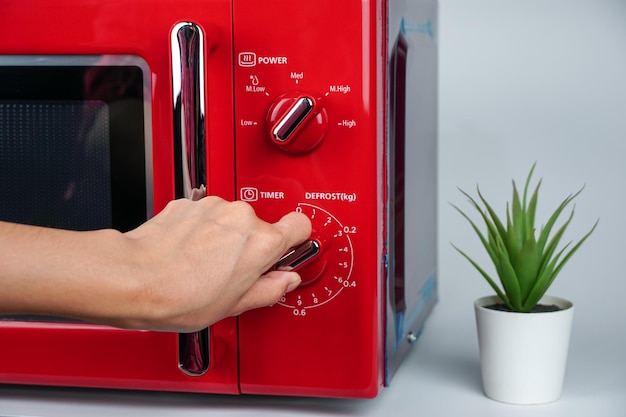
x: 93, y: 356
x: 324, y: 339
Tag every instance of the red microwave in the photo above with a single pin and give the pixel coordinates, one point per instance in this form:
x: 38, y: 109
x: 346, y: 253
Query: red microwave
x: 323, y: 107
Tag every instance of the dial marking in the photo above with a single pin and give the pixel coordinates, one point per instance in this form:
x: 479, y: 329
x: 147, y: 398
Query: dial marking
x: 338, y: 263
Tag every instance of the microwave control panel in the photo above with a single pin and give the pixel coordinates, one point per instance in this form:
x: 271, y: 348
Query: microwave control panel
x: 302, y: 143
x: 308, y: 137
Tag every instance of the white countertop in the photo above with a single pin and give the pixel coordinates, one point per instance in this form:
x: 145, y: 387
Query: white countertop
x: 441, y: 377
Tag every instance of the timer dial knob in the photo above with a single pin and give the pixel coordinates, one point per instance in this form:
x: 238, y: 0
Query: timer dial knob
x: 329, y: 272
x: 307, y: 258
x: 297, y: 122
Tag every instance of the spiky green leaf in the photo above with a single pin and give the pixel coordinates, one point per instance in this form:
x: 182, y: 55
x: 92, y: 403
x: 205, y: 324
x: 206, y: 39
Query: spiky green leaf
x: 547, y: 228
x: 518, y: 218
x: 509, y: 280
x: 491, y: 282
x: 525, y: 264
x: 528, y: 265
x: 531, y: 210
x: 513, y: 245
x: 541, y: 285
x: 572, y: 252
x: 486, y: 244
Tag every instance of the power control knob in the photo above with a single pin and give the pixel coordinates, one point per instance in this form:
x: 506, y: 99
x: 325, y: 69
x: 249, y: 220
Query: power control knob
x: 297, y: 122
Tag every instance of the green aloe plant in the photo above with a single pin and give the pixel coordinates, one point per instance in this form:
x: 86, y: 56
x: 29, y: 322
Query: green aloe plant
x: 526, y: 263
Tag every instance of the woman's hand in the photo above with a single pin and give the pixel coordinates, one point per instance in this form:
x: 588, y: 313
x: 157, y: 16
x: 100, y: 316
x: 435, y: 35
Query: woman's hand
x: 209, y: 259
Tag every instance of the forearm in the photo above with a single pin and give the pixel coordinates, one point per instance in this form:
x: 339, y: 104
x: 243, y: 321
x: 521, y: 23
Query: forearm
x: 46, y: 271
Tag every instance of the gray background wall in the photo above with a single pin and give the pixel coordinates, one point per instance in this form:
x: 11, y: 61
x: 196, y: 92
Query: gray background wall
x: 545, y: 81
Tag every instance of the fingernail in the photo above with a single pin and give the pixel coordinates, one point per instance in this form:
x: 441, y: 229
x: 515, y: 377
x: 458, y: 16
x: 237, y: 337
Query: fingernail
x: 295, y: 281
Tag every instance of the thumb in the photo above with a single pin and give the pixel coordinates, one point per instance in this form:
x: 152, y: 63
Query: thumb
x: 267, y: 290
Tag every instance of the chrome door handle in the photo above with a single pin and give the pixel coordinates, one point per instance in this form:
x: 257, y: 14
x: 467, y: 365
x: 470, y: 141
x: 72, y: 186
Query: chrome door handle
x: 187, y: 43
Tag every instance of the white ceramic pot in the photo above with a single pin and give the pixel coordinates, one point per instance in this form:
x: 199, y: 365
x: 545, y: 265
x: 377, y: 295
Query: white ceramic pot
x: 523, y: 355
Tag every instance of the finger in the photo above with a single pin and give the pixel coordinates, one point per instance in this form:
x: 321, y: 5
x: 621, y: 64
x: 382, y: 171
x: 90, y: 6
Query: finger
x: 267, y: 290
x: 198, y: 193
x: 296, y: 227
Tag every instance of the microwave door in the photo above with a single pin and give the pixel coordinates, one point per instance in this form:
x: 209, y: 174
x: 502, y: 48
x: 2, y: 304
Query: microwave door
x: 190, y: 153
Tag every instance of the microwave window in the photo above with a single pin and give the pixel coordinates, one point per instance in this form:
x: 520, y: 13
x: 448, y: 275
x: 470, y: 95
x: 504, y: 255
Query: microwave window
x: 74, y: 147
x: 55, y: 164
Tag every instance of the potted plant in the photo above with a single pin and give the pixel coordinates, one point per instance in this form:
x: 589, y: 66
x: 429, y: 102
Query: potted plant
x: 523, y: 334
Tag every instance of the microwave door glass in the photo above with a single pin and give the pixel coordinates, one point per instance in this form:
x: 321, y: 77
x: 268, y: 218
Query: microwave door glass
x: 55, y: 164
